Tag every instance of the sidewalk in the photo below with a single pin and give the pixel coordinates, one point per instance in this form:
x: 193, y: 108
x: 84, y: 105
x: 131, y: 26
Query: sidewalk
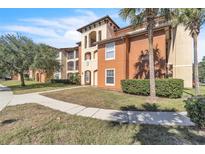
x: 135, y: 117
x: 6, y: 96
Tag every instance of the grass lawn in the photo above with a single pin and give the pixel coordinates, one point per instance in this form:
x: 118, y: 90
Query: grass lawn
x: 31, y: 86
x: 35, y: 124
x: 192, y: 91
x: 95, y: 97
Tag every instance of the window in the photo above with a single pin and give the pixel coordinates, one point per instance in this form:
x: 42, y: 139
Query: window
x: 99, y: 35
x: 85, y: 43
x: 76, y: 54
x: 110, y: 77
x: 110, y: 51
x: 57, y: 76
x: 76, y: 65
x: 70, y: 66
x: 88, y: 56
x: 71, y: 55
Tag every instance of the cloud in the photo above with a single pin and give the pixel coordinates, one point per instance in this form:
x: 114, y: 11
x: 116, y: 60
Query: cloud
x: 58, y: 32
x: 44, y: 22
x: 73, y: 35
x: 32, y: 30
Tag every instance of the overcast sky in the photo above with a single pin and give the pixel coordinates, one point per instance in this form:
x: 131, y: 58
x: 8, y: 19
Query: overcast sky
x: 57, y: 27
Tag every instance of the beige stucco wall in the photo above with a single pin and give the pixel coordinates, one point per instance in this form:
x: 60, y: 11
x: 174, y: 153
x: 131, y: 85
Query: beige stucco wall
x: 64, y: 66
x: 181, y: 55
x: 92, y: 64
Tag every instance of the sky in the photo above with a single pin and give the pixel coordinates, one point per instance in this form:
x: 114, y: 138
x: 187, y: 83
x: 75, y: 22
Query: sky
x: 57, y: 27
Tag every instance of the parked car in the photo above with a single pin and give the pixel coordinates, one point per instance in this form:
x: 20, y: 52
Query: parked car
x: 8, y: 78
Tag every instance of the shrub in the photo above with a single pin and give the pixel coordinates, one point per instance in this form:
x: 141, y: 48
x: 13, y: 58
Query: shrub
x: 65, y: 81
x: 75, y: 78
x: 195, y: 107
x: 172, y: 88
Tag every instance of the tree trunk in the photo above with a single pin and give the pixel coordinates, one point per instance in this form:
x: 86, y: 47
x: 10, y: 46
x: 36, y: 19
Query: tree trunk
x: 22, y: 79
x: 196, y: 74
x: 151, y: 64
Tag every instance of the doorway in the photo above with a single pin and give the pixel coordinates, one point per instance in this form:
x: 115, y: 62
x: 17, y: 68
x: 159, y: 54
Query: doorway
x: 87, y: 77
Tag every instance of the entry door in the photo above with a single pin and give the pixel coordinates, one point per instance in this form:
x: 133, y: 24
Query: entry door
x: 87, y: 77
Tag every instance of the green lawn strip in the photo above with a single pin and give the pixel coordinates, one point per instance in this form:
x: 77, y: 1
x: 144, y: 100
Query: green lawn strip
x: 95, y: 97
x: 47, y: 126
x: 188, y: 91
x: 32, y: 86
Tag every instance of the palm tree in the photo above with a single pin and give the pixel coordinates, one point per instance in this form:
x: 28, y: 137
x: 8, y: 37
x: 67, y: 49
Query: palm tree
x: 138, y: 16
x: 193, y: 20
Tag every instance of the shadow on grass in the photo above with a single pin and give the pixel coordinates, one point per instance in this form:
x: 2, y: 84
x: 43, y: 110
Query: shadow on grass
x: 188, y: 93
x: 8, y: 121
x: 155, y: 135
x: 164, y: 135
x: 146, y: 107
x: 36, y: 85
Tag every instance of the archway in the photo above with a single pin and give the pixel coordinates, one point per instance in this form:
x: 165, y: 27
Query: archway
x: 87, y: 77
x: 92, y: 38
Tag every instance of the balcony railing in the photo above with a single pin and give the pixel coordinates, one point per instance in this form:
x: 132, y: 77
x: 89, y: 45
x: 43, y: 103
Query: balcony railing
x: 92, y: 44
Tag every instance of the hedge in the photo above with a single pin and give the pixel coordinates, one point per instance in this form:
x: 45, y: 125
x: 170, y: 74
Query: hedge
x: 195, y: 107
x: 74, y: 79
x: 65, y: 81
x: 172, y: 88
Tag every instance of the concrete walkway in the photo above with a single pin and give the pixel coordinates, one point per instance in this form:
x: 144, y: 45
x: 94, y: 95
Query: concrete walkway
x: 136, y: 117
x: 6, y: 96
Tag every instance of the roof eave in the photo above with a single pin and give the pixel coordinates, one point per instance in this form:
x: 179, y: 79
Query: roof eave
x: 130, y: 35
x: 80, y: 29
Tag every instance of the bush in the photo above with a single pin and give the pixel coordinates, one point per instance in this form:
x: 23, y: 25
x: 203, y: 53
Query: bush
x: 75, y: 78
x: 172, y: 88
x: 195, y: 107
x: 65, y: 81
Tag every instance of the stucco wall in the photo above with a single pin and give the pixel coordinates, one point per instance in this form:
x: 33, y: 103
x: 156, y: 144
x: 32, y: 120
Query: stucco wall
x: 64, y: 66
x: 92, y: 65
x: 181, y: 55
x: 119, y: 64
x: 139, y: 45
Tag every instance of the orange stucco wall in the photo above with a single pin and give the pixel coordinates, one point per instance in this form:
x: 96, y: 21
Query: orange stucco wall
x: 135, y: 46
x: 40, y: 76
x: 138, y: 45
x: 118, y: 64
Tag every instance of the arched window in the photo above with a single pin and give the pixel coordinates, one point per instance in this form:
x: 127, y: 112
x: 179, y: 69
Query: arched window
x: 87, y: 56
x: 70, y: 65
x: 99, y: 35
x: 92, y: 38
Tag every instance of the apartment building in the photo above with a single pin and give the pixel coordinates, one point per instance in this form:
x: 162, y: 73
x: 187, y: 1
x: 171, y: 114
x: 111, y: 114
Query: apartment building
x: 110, y: 54
x: 69, y: 60
x: 91, y: 34
x: 57, y: 74
x: 107, y: 54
